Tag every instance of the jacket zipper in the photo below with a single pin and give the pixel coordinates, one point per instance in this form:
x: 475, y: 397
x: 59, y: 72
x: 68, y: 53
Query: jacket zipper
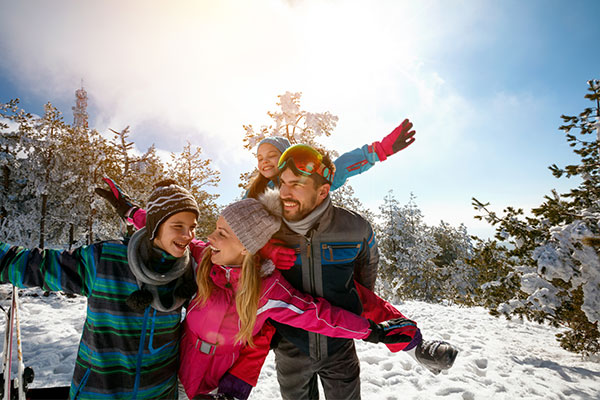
x: 311, y: 275
x: 340, y: 246
x: 141, y: 353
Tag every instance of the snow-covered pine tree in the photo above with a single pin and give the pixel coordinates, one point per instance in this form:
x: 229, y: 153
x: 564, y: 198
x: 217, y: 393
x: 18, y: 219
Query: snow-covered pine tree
x: 496, y: 281
x: 557, y: 248
x: 194, y: 173
x: 459, y: 277
x: 344, y: 197
x: 17, y: 204
x: 87, y: 217
x: 407, y: 249
x: 135, y: 173
x: 47, y: 174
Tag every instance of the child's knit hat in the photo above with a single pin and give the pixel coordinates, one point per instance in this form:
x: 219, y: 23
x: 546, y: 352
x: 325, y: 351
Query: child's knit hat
x: 255, y: 221
x: 279, y: 142
x: 166, y: 199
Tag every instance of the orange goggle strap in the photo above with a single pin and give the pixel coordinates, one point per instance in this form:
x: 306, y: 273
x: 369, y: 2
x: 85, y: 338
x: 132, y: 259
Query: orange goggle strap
x: 306, y: 160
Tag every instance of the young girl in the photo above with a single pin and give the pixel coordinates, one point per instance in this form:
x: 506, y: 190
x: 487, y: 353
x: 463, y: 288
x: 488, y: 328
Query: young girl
x: 347, y: 165
x: 130, y: 343
x: 238, y: 291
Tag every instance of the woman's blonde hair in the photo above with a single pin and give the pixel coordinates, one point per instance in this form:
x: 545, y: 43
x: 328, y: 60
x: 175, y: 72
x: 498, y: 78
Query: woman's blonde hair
x: 246, y: 296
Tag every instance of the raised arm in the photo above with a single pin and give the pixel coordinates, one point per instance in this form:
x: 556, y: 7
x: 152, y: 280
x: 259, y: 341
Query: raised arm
x: 363, y: 158
x: 68, y: 271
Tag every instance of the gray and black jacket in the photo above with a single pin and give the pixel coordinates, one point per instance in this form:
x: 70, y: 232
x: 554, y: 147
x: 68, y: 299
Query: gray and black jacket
x: 339, y: 249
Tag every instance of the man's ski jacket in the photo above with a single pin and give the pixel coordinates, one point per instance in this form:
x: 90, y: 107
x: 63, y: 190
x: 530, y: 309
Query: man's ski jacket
x: 123, y: 354
x: 338, y: 250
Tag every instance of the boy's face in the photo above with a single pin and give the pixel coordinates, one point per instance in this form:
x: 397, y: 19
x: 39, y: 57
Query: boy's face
x: 267, y: 157
x: 176, y: 233
x: 226, y: 247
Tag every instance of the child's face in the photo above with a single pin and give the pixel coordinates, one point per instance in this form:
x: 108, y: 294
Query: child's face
x: 176, y: 233
x: 267, y: 157
x: 226, y: 247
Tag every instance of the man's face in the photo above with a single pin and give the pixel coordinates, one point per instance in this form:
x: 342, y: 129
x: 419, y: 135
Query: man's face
x: 299, y: 196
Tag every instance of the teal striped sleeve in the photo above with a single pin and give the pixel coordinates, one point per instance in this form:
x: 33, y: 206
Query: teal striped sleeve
x: 56, y: 270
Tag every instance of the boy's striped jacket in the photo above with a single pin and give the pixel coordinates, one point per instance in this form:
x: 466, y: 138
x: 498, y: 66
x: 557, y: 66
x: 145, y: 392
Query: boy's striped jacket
x: 123, y: 354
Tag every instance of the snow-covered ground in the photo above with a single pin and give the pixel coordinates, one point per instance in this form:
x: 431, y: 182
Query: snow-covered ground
x: 498, y: 359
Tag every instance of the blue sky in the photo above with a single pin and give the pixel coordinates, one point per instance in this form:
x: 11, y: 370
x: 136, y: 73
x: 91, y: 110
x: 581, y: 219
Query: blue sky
x: 484, y: 82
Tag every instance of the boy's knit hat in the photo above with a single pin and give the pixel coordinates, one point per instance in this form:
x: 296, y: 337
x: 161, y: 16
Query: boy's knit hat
x: 255, y: 221
x: 166, y: 199
x: 279, y: 142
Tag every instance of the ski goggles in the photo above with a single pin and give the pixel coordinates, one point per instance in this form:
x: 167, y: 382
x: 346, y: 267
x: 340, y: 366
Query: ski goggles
x: 307, y: 161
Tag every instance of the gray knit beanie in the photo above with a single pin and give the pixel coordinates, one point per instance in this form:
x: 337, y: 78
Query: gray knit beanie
x: 279, y: 142
x: 255, y: 221
x: 167, y: 199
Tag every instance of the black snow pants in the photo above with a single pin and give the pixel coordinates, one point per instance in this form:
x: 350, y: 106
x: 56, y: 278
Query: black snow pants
x: 297, y: 373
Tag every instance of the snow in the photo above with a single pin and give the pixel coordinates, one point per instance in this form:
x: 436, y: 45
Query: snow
x: 498, y: 358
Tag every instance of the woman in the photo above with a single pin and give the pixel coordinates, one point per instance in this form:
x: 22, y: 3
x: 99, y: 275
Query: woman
x: 238, y: 291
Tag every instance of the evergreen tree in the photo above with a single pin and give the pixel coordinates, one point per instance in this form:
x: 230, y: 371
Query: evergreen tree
x: 46, y: 175
x: 407, y: 249
x: 17, y: 204
x: 557, y: 248
x: 459, y: 278
x: 194, y: 173
x: 87, y: 218
x: 496, y: 281
x: 344, y: 197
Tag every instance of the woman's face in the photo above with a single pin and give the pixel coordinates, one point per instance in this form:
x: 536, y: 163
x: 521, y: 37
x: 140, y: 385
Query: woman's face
x: 176, y: 233
x: 267, y: 156
x: 226, y: 247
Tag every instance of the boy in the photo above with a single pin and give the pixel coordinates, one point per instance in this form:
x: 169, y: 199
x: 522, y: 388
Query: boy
x: 135, y: 289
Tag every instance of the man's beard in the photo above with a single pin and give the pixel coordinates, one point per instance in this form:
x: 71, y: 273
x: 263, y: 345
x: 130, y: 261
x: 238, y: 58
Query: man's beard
x: 301, y: 211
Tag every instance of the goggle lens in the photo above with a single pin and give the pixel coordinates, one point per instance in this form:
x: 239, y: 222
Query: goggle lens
x: 306, y: 160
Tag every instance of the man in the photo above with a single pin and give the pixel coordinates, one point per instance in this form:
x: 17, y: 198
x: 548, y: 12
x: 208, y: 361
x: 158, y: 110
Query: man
x: 335, y: 247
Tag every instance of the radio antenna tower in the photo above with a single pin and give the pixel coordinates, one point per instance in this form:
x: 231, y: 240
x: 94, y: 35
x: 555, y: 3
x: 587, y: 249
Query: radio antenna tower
x: 80, y: 115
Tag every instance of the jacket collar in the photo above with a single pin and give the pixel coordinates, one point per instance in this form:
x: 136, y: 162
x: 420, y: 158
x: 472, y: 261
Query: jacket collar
x: 226, y: 276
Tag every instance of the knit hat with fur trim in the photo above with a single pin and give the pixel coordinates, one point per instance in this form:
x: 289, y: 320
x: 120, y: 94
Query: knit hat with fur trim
x: 167, y: 199
x: 255, y: 221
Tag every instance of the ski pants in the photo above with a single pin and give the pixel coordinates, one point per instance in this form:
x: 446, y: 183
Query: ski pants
x: 297, y: 373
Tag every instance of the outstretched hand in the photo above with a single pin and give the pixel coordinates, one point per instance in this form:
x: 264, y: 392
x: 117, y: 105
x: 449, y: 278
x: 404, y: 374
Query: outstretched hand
x: 116, y: 197
x: 400, y: 138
